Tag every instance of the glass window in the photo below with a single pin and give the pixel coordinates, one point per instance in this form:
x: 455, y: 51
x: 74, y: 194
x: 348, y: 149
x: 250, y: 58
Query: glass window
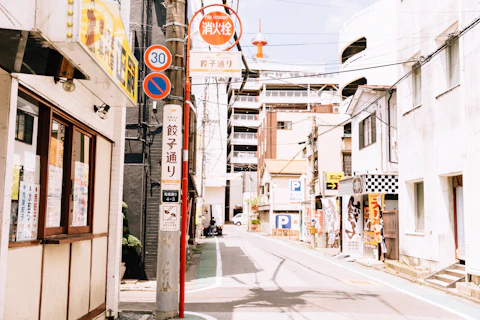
x: 417, y: 84
x: 368, y: 131
x: 56, y: 180
x: 453, y: 64
x: 419, y: 207
x: 25, y: 194
x: 284, y: 125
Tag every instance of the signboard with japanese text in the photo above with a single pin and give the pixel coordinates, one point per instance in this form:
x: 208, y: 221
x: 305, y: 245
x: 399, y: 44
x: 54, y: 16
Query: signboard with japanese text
x: 216, y: 28
x: 287, y: 221
x: 170, y: 196
x: 28, y: 208
x: 103, y: 34
x: 332, y: 179
x: 172, y: 147
x: 216, y: 64
x: 169, y: 217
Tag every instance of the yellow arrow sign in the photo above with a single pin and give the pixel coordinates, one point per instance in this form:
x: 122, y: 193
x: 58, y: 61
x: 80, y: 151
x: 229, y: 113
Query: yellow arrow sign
x: 332, y: 186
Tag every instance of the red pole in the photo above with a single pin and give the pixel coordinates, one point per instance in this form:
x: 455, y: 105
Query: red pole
x: 186, y: 133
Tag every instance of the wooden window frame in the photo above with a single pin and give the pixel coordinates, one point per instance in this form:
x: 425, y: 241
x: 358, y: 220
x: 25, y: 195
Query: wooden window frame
x: 48, y: 113
x: 372, y: 119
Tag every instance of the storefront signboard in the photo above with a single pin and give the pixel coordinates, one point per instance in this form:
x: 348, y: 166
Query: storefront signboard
x: 103, y: 34
x: 332, y: 179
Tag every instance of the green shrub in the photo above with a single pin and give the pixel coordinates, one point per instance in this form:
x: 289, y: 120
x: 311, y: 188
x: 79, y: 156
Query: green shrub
x: 255, y: 221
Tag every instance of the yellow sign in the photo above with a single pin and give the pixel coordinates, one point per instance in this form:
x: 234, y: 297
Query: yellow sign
x: 103, y: 34
x: 15, y: 182
x: 334, y: 177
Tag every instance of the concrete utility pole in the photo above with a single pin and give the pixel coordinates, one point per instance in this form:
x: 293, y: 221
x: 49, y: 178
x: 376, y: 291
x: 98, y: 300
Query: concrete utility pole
x: 168, y: 260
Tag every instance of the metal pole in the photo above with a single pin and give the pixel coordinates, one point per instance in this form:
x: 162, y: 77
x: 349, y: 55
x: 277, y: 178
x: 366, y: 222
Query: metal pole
x: 186, y: 134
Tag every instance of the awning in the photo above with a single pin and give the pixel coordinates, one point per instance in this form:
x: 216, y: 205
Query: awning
x: 30, y: 52
x: 369, y: 183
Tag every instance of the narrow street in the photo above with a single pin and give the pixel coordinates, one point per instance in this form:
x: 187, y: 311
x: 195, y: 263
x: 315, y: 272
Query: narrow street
x: 264, y: 278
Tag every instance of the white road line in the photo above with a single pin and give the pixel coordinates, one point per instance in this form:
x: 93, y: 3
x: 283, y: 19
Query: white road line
x: 373, y: 278
x: 205, y: 316
x: 218, y: 276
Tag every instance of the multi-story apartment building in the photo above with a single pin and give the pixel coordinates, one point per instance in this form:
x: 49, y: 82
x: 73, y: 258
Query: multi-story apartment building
x: 282, y: 109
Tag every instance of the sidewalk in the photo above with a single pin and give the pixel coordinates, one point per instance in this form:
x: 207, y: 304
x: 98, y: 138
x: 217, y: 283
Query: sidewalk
x: 138, y: 297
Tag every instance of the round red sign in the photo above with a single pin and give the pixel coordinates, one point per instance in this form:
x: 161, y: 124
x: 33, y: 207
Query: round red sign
x: 217, y: 28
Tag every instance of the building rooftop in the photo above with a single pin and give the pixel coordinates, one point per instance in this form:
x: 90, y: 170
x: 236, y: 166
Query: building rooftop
x: 286, y: 166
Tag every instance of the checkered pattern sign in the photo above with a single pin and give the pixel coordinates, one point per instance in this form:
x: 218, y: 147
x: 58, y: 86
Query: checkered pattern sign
x: 381, y: 183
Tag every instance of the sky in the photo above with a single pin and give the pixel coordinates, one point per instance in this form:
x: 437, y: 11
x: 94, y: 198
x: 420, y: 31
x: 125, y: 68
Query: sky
x: 313, y: 22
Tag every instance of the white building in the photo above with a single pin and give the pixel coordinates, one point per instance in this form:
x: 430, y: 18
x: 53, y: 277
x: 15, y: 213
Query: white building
x: 282, y: 193
x: 369, y: 51
x: 438, y: 116
x: 65, y: 86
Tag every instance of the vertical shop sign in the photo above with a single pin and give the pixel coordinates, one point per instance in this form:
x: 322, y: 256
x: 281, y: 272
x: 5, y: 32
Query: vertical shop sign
x: 171, y: 167
x: 374, y: 213
x: 103, y: 34
x: 332, y: 218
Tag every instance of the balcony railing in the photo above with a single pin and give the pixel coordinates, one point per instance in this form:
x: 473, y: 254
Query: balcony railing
x: 248, y: 117
x: 245, y: 154
x: 245, y: 136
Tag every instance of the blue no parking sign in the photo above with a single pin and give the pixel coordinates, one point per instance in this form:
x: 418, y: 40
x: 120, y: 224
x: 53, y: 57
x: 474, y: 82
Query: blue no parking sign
x: 156, y: 86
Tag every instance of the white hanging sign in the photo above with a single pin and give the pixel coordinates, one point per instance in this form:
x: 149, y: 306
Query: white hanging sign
x: 216, y: 64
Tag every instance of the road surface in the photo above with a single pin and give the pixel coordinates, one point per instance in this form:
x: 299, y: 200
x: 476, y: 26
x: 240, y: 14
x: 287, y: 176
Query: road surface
x: 249, y: 276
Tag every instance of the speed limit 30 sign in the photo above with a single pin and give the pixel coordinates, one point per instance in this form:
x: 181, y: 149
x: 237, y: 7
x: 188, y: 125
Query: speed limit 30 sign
x: 158, y: 58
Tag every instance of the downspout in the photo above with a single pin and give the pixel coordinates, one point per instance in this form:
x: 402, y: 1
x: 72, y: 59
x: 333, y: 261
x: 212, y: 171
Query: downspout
x: 389, y: 130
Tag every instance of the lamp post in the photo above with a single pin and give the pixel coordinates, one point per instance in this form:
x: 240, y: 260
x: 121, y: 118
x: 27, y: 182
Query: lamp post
x: 186, y: 136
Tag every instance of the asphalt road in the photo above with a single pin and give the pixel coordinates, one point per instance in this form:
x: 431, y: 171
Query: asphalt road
x: 256, y: 277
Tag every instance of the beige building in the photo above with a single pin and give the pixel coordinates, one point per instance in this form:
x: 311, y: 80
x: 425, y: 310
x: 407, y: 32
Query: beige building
x: 66, y: 79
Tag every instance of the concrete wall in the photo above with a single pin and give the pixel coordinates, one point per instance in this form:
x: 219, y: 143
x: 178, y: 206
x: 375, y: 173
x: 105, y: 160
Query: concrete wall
x: 287, y: 140
x: 329, y: 144
x: 381, y: 49
x: 433, y: 144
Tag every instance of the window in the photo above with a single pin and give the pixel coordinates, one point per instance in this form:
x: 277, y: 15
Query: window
x: 284, y: 125
x: 419, y: 207
x: 24, y: 127
x: 417, y: 84
x: 347, y: 164
x: 367, y: 131
x: 453, y: 63
x: 52, y: 191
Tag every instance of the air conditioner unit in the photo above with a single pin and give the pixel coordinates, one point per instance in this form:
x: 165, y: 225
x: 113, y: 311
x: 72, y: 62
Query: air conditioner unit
x: 336, y: 109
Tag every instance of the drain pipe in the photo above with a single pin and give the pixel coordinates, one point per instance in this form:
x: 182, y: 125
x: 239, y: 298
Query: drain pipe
x: 389, y: 130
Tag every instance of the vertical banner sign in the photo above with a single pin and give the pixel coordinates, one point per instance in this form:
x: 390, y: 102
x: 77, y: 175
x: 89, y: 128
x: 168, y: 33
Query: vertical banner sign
x: 171, y: 167
x: 352, y: 225
x: 374, y: 212
x: 332, y: 218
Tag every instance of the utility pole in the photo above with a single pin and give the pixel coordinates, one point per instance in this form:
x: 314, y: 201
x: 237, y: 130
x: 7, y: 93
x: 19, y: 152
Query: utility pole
x: 168, y: 260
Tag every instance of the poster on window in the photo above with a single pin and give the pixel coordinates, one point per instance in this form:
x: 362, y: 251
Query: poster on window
x: 28, y: 202
x: 80, y: 194
x: 332, y: 218
x: 54, y: 198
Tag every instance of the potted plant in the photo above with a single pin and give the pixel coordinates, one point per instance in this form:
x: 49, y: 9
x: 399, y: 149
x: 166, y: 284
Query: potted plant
x: 131, y: 246
x: 255, y: 224
x: 254, y: 202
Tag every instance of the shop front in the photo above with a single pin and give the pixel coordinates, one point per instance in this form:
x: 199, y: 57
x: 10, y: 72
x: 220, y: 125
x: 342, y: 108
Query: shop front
x: 61, y: 163
x: 369, y: 206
